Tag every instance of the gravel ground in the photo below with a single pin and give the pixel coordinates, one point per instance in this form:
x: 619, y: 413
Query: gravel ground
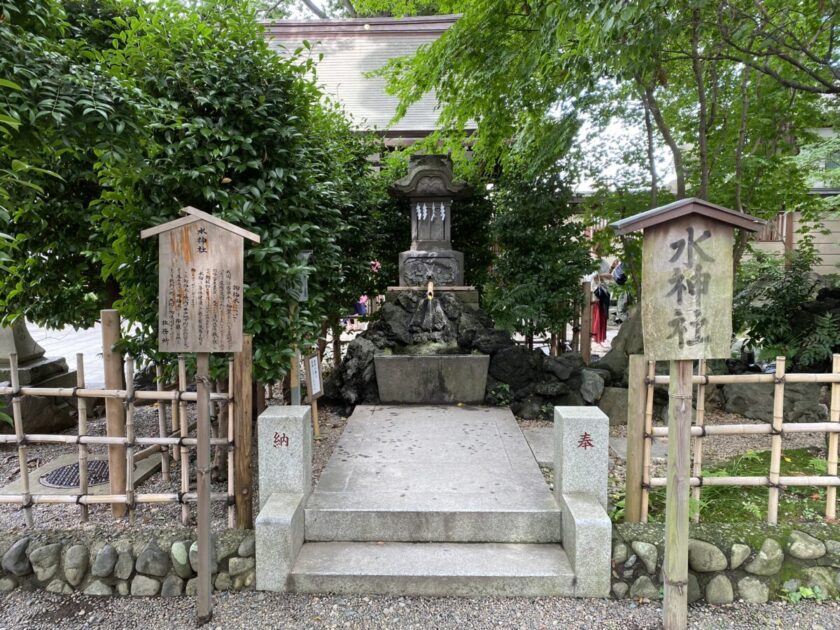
x: 38, y: 609
x: 31, y: 611
x: 146, y: 516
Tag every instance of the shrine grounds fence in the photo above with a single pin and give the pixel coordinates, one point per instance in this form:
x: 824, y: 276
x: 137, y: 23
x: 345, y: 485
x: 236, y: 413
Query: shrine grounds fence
x: 640, y: 433
x: 123, y: 449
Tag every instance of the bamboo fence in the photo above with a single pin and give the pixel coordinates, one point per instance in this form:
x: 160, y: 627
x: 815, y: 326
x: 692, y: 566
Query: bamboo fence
x: 776, y: 429
x: 177, y: 439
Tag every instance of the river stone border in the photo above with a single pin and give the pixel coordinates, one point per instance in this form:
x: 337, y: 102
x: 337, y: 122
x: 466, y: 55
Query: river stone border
x: 730, y: 561
x: 140, y: 564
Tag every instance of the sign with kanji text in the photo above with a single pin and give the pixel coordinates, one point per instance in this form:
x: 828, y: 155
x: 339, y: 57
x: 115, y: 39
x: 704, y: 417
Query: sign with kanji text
x: 687, y: 280
x: 200, y: 288
x: 687, y: 277
x: 314, y: 383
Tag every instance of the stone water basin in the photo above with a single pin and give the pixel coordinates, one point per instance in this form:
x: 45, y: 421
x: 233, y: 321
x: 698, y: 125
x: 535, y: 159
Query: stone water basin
x: 431, y: 378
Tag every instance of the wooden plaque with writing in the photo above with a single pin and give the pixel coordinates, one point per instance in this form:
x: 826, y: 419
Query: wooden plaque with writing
x: 314, y: 382
x: 687, y: 283
x: 200, y: 289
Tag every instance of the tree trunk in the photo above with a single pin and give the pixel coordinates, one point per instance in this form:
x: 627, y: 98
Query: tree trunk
x: 667, y: 136
x: 702, y: 131
x: 654, y: 184
x: 336, y: 333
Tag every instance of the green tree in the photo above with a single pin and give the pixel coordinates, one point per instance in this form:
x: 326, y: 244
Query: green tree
x: 534, y: 282
x: 179, y: 107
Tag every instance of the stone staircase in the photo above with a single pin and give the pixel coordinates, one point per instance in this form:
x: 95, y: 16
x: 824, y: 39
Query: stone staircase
x: 425, y: 501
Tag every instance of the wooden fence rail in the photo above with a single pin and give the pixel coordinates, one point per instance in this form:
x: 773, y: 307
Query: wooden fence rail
x: 640, y: 434
x: 175, y: 437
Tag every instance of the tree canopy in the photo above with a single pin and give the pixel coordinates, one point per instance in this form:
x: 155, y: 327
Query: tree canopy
x: 171, y: 107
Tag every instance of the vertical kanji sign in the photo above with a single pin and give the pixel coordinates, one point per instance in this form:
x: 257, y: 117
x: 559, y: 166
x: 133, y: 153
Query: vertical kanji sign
x: 687, y: 282
x: 200, y: 283
x: 200, y: 258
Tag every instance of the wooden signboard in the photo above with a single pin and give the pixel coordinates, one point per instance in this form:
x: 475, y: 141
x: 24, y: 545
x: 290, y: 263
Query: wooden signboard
x: 686, y: 314
x: 200, y: 283
x: 200, y: 310
x: 314, y: 382
x: 687, y: 281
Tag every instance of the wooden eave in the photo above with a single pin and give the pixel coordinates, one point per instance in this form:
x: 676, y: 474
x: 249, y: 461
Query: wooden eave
x: 193, y: 215
x: 684, y: 207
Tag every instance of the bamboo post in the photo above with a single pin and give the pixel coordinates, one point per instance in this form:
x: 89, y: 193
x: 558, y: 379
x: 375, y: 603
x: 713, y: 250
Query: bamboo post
x: 699, y: 420
x: 185, y: 432
x: 243, y: 434
x: 586, y: 324
x: 636, y: 404
x: 675, y: 567
x: 81, y: 406
x: 776, y: 443
x: 164, y: 452
x: 17, y: 417
x: 294, y: 382
x: 114, y: 410
x: 204, y: 608
x: 648, y: 442
x: 834, y: 416
x: 129, y: 436
x: 231, y: 451
x: 316, y: 426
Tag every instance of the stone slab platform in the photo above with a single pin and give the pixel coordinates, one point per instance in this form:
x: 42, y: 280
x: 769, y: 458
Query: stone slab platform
x: 434, y: 569
x: 432, y: 474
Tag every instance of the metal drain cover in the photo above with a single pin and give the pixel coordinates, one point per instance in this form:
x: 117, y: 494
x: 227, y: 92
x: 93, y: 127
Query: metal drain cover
x: 68, y: 476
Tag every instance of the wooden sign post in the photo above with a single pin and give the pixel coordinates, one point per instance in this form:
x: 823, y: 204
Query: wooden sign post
x: 200, y: 288
x: 314, y: 388
x: 687, y: 281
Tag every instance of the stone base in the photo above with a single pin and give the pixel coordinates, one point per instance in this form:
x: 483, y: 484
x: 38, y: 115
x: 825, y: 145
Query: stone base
x: 445, y: 268
x: 38, y: 370
x: 432, y: 379
x: 42, y: 414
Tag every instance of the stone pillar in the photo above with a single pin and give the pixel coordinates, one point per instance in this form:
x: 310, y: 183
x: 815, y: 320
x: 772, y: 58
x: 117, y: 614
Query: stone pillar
x: 581, y: 451
x: 581, y: 446
x: 285, y: 451
x: 285, y: 466
x: 40, y: 414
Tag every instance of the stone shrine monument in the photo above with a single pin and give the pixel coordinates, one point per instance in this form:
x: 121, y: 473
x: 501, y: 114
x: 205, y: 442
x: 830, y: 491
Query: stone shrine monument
x: 40, y: 414
x: 430, y: 190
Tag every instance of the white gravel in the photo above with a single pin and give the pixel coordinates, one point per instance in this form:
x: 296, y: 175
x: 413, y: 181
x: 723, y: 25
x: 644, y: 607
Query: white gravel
x: 30, y: 611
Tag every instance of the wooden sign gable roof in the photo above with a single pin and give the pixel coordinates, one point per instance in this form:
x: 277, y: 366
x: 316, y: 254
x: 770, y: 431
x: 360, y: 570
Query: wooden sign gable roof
x: 193, y: 215
x: 680, y: 208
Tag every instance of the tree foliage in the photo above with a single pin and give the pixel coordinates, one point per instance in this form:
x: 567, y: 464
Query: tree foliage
x: 171, y: 107
x: 729, y: 88
x: 541, y: 254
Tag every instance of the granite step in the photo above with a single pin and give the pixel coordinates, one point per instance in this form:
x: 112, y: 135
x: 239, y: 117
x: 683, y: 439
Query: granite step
x: 432, y: 474
x: 433, y: 517
x: 433, y: 569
